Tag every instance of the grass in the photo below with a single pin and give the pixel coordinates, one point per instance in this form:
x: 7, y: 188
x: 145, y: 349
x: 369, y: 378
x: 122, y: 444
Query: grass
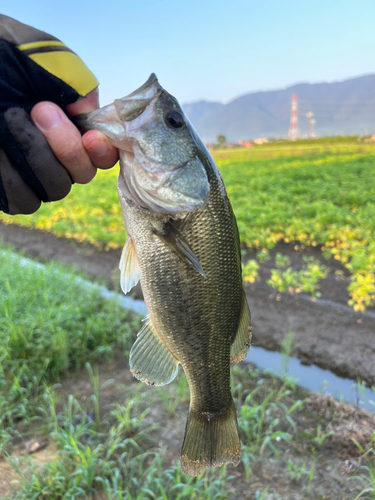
x: 111, y: 439
x: 50, y: 320
x: 366, y: 473
x: 317, y: 192
x: 262, y: 424
x: 50, y: 323
x: 107, y: 456
x: 284, y: 278
x: 117, y: 457
x: 91, y: 213
x: 325, y: 199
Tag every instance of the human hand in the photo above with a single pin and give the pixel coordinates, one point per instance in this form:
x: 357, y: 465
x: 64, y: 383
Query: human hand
x: 80, y: 155
x: 40, y: 157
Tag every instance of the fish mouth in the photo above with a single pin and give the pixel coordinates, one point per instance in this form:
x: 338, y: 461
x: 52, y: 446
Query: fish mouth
x: 112, y: 119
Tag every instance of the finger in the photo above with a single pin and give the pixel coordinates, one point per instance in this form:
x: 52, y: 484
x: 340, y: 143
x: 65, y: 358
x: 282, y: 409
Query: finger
x: 65, y: 141
x: 100, y: 149
x: 84, y: 104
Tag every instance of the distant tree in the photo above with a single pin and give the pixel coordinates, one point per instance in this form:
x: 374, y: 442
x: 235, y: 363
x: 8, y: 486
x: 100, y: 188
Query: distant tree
x: 221, y: 140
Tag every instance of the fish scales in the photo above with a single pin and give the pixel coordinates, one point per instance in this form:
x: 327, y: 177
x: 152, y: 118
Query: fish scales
x: 200, y: 340
x: 195, y: 316
x: 183, y: 245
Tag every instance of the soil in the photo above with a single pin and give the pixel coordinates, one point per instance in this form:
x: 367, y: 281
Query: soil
x: 337, y: 457
x: 327, y: 332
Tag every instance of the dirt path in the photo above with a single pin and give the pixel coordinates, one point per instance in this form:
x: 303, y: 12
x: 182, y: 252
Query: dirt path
x: 327, y: 333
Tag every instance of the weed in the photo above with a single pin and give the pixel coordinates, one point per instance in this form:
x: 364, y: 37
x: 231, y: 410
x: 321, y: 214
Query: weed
x: 263, y: 256
x: 286, y: 350
x: 296, y: 471
x: 250, y: 271
x: 261, y: 495
x: 49, y: 322
x: 129, y: 416
x: 94, y: 378
x: 282, y: 260
x: 316, y: 439
x: 108, y: 457
x: 311, y: 475
x: 180, y: 395
x: 360, y: 390
x: 366, y: 474
x: 262, y: 423
x: 320, y: 437
x: 305, y: 280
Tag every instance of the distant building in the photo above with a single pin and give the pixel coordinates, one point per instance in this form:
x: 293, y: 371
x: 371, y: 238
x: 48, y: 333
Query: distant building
x: 246, y: 144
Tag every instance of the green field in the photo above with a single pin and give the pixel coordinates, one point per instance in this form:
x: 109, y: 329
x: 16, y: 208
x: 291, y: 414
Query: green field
x: 318, y: 193
x: 107, y: 436
x: 51, y: 325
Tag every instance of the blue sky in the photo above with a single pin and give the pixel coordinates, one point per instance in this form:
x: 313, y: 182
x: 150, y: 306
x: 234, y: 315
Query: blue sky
x: 212, y: 50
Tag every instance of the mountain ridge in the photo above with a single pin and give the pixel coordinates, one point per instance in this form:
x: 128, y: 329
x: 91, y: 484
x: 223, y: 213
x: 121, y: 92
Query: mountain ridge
x: 340, y: 108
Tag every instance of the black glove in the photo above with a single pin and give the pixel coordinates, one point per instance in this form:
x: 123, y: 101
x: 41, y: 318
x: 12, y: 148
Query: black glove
x: 34, y: 67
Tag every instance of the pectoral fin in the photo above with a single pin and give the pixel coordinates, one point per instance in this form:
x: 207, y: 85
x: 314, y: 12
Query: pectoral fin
x: 129, y: 267
x: 241, y: 342
x: 150, y: 360
x: 178, y: 243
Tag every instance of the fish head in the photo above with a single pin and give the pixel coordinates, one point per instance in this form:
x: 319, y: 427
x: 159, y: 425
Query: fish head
x: 160, y: 168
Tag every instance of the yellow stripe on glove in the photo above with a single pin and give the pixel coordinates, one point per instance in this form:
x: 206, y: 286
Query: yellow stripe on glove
x: 65, y: 65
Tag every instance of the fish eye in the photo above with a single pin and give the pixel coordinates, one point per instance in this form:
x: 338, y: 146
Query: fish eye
x: 174, y: 119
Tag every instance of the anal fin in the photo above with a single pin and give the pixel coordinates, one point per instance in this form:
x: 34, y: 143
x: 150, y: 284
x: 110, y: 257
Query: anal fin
x: 150, y: 360
x: 129, y: 267
x: 241, y: 342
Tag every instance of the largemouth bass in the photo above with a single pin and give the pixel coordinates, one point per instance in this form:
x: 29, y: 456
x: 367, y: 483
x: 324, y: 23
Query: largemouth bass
x: 183, y: 246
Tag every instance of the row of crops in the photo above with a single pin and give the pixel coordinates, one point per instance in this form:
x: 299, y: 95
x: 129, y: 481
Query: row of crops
x: 318, y: 193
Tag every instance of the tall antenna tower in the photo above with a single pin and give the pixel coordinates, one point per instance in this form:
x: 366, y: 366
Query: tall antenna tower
x: 293, y: 127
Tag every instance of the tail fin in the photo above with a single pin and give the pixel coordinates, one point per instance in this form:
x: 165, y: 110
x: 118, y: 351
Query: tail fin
x: 210, y: 441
